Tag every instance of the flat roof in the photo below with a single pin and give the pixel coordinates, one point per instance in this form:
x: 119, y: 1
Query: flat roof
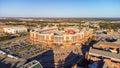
x: 112, y: 56
x: 107, y: 44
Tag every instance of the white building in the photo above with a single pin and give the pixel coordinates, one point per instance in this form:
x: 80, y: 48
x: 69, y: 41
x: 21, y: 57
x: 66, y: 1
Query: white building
x: 14, y: 30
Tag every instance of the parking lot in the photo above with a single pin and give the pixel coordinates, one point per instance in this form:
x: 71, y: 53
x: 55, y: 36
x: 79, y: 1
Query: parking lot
x: 22, y: 48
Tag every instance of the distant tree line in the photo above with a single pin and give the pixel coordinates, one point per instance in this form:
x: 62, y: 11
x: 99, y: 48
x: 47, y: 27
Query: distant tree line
x: 9, y: 20
x: 113, y: 26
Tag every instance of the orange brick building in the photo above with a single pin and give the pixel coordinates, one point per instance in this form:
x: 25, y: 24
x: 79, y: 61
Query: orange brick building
x: 112, y: 47
x: 52, y: 36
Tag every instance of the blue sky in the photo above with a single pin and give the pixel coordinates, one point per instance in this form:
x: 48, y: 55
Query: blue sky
x: 59, y: 8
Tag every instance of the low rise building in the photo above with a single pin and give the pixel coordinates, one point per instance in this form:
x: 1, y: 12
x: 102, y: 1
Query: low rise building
x: 108, y: 46
x: 15, y: 30
x: 105, y: 52
x: 32, y: 64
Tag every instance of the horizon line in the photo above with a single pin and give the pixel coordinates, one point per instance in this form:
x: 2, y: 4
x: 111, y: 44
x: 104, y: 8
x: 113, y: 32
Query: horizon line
x: 59, y: 17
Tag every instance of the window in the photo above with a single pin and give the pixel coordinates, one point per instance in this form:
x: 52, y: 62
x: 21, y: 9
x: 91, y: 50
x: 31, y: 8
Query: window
x: 74, y: 38
x: 58, y: 39
x: 41, y: 37
x: 67, y: 40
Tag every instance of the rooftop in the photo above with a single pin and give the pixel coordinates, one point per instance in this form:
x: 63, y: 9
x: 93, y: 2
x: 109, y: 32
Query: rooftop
x: 99, y: 53
x: 54, y: 30
x: 33, y: 64
x: 19, y: 27
x: 107, y: 44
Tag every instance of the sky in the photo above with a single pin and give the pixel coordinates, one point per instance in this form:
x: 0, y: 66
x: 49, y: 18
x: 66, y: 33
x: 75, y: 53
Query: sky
x: 59, y: 8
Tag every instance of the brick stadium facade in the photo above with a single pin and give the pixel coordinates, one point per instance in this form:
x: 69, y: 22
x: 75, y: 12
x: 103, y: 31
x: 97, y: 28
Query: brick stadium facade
x: 52, y: 36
